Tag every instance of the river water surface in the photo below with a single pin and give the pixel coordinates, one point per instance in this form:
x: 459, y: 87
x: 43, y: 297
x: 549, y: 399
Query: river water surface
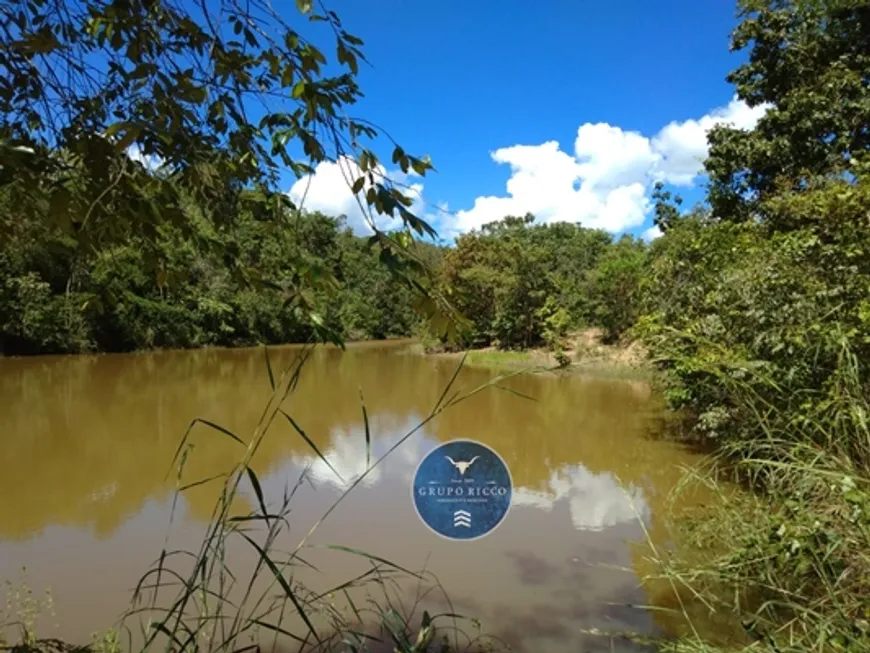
x: 86, y: 488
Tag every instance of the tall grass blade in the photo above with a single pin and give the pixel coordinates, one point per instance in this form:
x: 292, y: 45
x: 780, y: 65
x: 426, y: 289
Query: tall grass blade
x: 279, y: 630
x: 200, y: 482
x: 249, y: 647
x: 368, y: 430
x: 255, y: 482
x: 343, y: 587
x: 262, y: 517
x: 294, y: 380
x: 288, y: 591
x: 200, y: 420
x: 487, y: 384
x: 163, y: 629
x: 311, y: 444
x: 299, y: 559
x: 516, y: 393
x: 352, y: 605
x: 450, y: 383
x: 368, y: 556
x: 269, y: 368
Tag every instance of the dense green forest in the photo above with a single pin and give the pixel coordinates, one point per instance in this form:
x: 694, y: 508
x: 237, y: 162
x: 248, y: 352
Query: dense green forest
x: 58, y: 297
x: 522, y: 284
x: 519, y: 284
x: 100, y: 251
x: 754, y: 305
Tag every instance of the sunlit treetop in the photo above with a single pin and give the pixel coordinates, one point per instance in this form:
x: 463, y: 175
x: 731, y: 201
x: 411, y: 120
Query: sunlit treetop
x: 808, y: 61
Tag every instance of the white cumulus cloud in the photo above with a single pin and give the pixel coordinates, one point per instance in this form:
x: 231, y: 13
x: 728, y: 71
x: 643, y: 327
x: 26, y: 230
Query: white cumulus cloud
x: 610, y: 157
x: 605, y: 182
x: 652, y: 233
x: 683, y: 145
x: 329, y: 190
x: 544, y: 181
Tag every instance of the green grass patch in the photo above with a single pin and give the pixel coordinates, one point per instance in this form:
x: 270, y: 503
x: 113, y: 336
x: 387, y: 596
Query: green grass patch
x: 510, y: 359
x: 530, y: 359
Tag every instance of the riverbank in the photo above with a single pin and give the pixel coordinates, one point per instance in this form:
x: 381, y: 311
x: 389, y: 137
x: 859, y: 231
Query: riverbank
x: 784, y: 560
x: 583, y: 353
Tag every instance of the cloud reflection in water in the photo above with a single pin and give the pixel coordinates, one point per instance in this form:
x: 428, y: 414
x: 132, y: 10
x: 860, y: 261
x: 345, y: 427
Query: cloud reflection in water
x: 596, y: 501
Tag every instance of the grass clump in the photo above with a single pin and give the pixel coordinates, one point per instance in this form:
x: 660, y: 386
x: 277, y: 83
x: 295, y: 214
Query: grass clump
x: 787, y: 557
x: 22, y: 613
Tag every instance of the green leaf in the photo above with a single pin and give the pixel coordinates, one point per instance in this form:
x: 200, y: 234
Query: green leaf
x: 317, y: 55
x: 420, y: 166
x: 41, y: 42
x: 255, y: 482
x: 368, y: 432
x: 127, y: 140
x: 111, y: 130
x: 287, y: 75
x: 345, y: 56
x: 269, y: 368
x: 304, y: 6
x: 358, y: 185
x: 143, y: 71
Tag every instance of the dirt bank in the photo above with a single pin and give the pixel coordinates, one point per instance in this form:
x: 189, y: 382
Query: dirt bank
x: 584, y: 351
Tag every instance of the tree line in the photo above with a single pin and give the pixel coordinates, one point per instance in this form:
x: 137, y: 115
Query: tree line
x: 518, y: 284
x: 57, y: 297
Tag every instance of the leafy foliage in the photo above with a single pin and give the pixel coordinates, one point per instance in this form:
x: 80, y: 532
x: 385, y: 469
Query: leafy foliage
x: 754, y: 304
x: 757, y: 310
x: 521, y: 284
x: 131, y: 119
x: 54, y: 299
x: 616, y: 283
x: 808, y: 61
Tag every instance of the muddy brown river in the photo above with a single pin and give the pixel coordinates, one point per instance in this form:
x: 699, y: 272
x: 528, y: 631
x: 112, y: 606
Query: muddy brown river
x: 86, y: 489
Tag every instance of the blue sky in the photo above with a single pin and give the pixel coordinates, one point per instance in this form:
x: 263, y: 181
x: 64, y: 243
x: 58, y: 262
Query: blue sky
x: 585, y: 89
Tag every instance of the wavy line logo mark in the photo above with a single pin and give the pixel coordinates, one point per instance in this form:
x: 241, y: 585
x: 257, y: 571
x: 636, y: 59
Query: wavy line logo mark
x: 462, y: 490
x: 461, y: 518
